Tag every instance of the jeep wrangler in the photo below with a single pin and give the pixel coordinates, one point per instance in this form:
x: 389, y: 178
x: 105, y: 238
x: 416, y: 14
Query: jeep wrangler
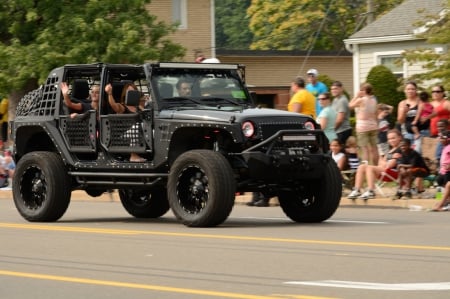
x: 200, y: 149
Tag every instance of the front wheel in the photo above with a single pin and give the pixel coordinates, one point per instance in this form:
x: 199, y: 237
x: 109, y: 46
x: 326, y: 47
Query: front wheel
x: 41, y: 187
x: 201, y: 188
x: 145, y: 203
x: 313, y: 200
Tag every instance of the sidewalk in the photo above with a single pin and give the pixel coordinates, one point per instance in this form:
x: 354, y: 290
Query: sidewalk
x: 414, y: 204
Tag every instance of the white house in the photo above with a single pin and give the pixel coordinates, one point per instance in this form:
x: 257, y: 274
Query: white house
x: 384, y: 40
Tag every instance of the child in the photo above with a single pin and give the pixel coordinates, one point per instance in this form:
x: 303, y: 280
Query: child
x: 411, y: 165
x: 337, y: 154
x: 351, y: 152
x: 424, y: 111
x: 443, y: 178
x: 384, y: 112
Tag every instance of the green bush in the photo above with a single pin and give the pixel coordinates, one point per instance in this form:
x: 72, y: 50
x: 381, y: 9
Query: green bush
x: 386, y: 87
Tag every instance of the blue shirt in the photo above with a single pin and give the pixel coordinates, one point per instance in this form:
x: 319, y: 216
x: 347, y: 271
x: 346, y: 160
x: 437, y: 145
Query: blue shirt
x: 330, y: 115
x: 317, y: 89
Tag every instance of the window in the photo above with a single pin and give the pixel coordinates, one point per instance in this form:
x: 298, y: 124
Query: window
x: 394, y: 63
x: 179, y: 13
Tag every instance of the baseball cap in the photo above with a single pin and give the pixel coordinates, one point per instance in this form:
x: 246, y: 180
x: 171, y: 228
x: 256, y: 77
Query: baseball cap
x: 313, y: 72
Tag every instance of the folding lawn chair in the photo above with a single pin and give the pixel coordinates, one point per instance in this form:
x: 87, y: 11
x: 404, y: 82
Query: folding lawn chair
x: 387, y: 176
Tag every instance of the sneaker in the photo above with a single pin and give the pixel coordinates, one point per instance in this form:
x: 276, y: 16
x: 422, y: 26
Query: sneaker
x: 408, y: 194
x: 354, y: 194
x: 398, y: 195
x: 367, y: 195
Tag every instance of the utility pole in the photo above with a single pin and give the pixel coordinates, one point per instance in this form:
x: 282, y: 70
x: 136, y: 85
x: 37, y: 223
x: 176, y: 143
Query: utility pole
x: 370, y: 12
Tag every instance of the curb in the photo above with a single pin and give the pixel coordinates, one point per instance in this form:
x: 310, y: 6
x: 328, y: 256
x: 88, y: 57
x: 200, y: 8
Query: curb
x: 414, y: 204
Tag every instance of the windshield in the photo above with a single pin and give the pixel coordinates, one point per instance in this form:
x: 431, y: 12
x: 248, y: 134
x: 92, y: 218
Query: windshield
x: 206, y: 87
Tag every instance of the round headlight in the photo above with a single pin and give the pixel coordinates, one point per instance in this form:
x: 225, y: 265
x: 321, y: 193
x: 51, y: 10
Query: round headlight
x: 248, y: 129
x: 309, y: 125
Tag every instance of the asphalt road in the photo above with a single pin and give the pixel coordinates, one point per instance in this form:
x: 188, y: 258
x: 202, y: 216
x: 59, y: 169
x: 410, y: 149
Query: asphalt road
x: 98, y: 251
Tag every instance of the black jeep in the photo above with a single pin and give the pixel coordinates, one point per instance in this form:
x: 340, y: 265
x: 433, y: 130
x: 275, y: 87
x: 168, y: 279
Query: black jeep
x: 199, y: 149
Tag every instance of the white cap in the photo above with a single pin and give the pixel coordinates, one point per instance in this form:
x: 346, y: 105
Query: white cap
x: 313, y: 72
x: 211, y: 60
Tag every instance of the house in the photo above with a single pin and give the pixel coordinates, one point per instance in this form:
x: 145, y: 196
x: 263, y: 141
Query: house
x: 268, y: 73
x: 384, y: 41
x: 196, y: 24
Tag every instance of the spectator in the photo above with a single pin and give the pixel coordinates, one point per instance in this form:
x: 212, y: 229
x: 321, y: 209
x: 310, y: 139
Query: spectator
x: 421, y: 123
x: 4, y: 120
x: 327, y: 117
x: 406, y: 113
x: 259, y: 200
x: 442, y: 128
x: 370, y: 173
x: 302, y: 101
x: 315, y: 87
x: 351, y: 153
x: 384, y: 112
x: 444, y: 203
x: 365, y: 105
x: 444, y: 165
x: 340, y: 105
x: 441, y: 108
x: 337, y: 154
x: 411, y: 165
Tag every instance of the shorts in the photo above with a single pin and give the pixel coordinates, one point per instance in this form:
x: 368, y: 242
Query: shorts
x: 419, y: 172
x: 442, y: 179
x: 369, y: 138
x: 392, y: 172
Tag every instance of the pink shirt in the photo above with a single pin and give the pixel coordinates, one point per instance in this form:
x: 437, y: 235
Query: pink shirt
x: 366, y: 115
x: 445, y: 160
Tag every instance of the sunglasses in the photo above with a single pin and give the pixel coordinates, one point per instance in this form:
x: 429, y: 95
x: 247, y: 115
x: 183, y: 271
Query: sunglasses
x: 436, y: 91
x: 323, y: 98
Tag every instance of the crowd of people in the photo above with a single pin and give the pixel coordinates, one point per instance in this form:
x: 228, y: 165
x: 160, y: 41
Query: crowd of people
x: 377, y: 145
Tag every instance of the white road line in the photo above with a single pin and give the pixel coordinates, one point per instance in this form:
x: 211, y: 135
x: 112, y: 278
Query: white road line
x: 428, y: 286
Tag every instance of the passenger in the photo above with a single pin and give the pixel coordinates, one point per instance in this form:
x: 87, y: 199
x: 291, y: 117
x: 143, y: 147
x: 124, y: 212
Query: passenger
x: 120, y: 108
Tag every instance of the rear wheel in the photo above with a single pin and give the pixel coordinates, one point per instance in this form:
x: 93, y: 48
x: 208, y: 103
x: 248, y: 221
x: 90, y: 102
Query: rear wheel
x: 41, y: 187
x: 313, y: 200
x: 201, y: 188
x: 145, y: 203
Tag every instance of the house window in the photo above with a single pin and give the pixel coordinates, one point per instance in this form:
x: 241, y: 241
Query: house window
x: 179, y: 13
x: 394, y: 63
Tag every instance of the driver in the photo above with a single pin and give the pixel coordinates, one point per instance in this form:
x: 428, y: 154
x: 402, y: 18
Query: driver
x: 184, y: 88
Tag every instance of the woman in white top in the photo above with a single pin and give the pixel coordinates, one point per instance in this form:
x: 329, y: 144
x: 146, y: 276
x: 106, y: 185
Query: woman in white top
x: 365, y: 105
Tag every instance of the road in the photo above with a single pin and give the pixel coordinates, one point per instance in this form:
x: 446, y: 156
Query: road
x: 98, y: 251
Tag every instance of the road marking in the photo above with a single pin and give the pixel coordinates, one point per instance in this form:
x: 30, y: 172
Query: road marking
x: 157, y: 288
x: 336, y: 221
x: 221, y: 237
x: 429, y: 286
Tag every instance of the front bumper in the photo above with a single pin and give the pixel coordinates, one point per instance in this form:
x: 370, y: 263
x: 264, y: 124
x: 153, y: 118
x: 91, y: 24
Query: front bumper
x: 288, y: 155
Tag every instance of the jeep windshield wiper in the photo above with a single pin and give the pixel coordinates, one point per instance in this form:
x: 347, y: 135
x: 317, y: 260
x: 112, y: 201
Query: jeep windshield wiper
x: 216, y: 100
x: 175, y: 100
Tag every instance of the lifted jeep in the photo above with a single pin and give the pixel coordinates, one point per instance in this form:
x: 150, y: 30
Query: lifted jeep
x: 199, y: 149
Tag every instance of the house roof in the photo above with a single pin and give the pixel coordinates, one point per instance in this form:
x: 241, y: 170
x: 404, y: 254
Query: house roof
x: 400, y: 22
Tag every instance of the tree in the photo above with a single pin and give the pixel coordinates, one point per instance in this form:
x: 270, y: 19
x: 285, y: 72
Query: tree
x: 232, y: 31
x: 386, y: 86
x: 308, y: 24
x: 436, y: 62
x: 36, y: 36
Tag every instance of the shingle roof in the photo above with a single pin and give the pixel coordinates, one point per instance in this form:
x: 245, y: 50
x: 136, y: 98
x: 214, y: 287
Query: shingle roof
x: 400, y: 20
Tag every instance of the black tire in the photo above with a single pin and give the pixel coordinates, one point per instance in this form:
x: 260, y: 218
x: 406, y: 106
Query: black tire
x: 41, y: 187
x: 201, y: 188
x: 145, y: 203
x: 313, y: 200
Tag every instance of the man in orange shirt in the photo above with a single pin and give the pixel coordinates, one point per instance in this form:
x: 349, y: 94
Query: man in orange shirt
x: 302, y: 100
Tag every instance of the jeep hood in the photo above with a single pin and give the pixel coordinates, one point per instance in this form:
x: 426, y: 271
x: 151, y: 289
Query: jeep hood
x: 226, y: 116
